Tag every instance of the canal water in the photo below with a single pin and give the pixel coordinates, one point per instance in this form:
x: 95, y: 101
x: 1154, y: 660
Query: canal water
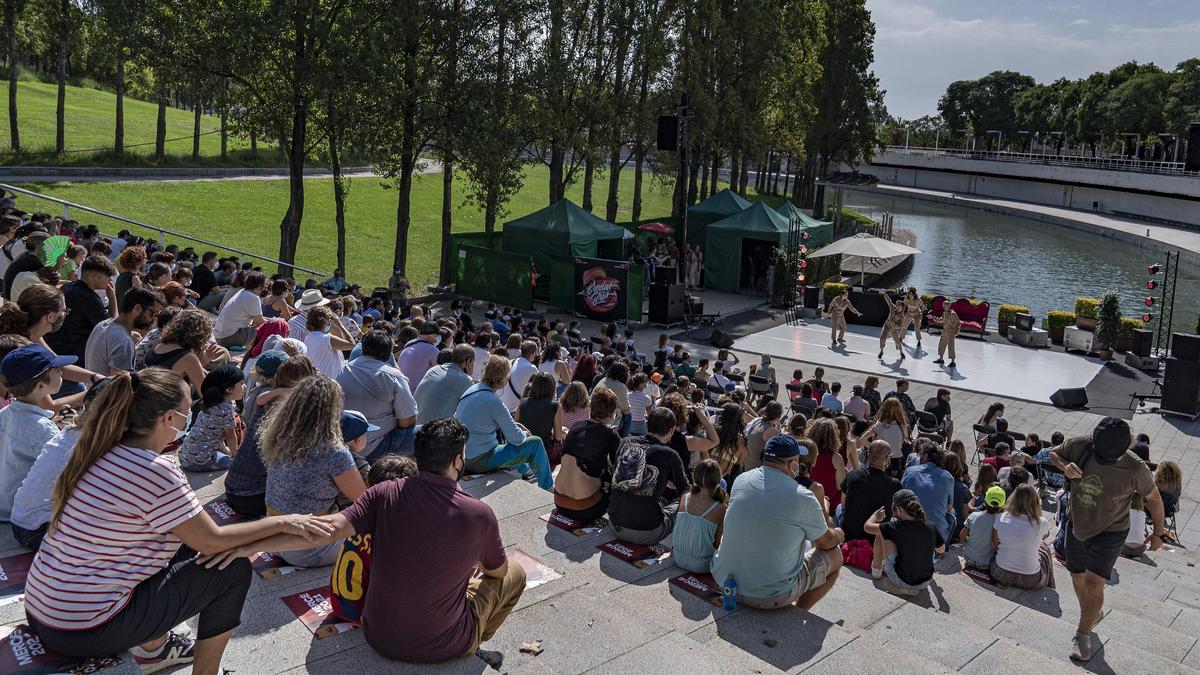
x: 999, y: 258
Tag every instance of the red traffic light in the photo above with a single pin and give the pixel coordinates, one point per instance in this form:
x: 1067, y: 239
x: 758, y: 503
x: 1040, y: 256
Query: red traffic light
x: 1152, y: 284
x: 1146, y: 317
x: 1149, y: 302
x: 1155, y: 269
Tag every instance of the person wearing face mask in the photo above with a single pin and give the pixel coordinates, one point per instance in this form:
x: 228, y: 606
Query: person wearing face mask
x: 37, y: 314
x: 85, y: 309
x: 117, y: 570
x: 769, y: 519
x: 110, y: 347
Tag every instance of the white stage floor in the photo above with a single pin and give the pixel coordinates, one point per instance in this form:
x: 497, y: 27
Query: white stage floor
x: 1001, y: 369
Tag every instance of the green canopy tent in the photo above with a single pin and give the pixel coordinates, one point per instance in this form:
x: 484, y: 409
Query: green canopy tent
x: 717, y: 207
x: 820, y: 232
x: 725, y: 238
x: 563, y: 229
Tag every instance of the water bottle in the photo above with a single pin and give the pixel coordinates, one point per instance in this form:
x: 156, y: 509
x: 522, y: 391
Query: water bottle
x: 729, y: 596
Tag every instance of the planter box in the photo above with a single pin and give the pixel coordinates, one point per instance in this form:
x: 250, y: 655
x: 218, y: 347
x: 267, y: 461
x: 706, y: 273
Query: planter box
x: 1056, y: 335
x: 1004, y: 328
x: 1123, y: 345
x: 1086, y: 323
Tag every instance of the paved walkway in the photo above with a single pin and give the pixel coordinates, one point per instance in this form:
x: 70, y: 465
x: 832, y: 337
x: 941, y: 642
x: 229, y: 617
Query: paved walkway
x: 1146, y: 235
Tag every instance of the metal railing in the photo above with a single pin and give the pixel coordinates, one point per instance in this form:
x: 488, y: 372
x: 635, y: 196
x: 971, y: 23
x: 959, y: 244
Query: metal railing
x: 162, y: 232
x: 1106, y: 163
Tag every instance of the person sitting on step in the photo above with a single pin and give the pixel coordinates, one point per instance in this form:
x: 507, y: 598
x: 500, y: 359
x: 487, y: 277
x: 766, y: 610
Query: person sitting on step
x: 904, y: 545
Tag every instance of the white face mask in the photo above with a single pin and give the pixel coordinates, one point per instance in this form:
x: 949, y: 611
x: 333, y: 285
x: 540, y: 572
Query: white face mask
x: 180, y: 433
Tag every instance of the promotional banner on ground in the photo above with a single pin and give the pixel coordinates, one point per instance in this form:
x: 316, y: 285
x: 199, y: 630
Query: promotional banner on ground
x: 600, y: 289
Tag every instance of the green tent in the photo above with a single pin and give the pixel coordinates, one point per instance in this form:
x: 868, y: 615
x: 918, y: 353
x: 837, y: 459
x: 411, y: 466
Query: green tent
x: 820, y: 232
x: 717, y: 207
x: 725, y: 238
x: 563, y: 229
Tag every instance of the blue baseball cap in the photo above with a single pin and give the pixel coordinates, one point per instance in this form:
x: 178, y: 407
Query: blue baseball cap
x: 29, y: 362
x: 355, y: 424
x: 782, y: 447
x: 269, y: 361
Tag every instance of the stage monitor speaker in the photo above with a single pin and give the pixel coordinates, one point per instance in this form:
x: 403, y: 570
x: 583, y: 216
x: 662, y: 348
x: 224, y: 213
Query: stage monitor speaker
x: 1069, y: 398
x: 1192, y: 162
x: 1024, y: 321
x: 1185, y: 346
x: 666, y: 303
x: 695, y: 305
x: 812, y: 297
x: 720, y: 339
x: 1181, y: 386
x: 668, y: 133
x: 1143, y: 342
x: 666, y: 275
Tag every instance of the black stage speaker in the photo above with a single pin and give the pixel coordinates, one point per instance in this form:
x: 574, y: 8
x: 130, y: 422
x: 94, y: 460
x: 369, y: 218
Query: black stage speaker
x: 1069, y: 398
x: 1181, y: 386
x: 1192, y: 162
x: 666, y: 275
x: 1024, y: 321
x: 1143, y: 340
x: 812, y: 297
x: 695, y: 305
x: 1185, y: 346
x: 668, y: 132
x: 666, y: 303
x: 720, y: 339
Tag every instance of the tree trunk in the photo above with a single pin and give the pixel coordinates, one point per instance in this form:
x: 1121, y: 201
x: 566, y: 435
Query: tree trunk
x: 253, y: 142
x: 339, y: 194
x: 758, y: 176
x: 447, y: 215
x: 225, y: 126
x: 119, y: 136
x: 408, y: 159
x: 557, y: 155
x: 703, y: 179
x: 60, y: 115
x: 787, y: 175
x: 10, y: 20
x: 716, y: 172
x: 589, y: 173
x: 491, y: 208
x: 733, y: 171
x: 160, y: 130
x: 614, y: 184
x: 640, y: 158
x: 197, y: 110
x: 289, y: 229
x: 693, y: 174
x: 744, y: 175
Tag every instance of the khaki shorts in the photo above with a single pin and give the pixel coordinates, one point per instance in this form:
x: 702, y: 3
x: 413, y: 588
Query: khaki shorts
x: 813, y: 574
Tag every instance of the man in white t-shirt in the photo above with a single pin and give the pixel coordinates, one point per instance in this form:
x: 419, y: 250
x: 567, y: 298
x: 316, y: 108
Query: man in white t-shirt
x: 242, y: 314
x: 522, y: 371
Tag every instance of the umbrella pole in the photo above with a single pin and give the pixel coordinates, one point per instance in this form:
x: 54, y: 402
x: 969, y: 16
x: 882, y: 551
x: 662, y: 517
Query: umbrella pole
x: 862, y: 274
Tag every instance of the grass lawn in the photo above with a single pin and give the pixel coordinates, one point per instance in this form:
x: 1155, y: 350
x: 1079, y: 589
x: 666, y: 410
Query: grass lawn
x: 246, y: 215
x: 91, y: 122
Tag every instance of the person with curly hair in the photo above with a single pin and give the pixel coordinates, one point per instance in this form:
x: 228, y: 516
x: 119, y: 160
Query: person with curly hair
x: 185, y: 349
x: 731, y: 439
x: 130, y: 263
x: 829, y: 469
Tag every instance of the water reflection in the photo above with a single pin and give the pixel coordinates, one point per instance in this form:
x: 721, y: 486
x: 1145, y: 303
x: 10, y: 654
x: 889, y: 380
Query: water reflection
x: 1009, y: 259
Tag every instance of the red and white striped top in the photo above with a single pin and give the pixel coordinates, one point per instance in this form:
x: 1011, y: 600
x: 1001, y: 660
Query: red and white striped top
x: 114, y: 533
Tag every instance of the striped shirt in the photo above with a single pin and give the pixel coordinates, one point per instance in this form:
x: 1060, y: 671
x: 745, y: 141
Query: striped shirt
x: 114, y: 533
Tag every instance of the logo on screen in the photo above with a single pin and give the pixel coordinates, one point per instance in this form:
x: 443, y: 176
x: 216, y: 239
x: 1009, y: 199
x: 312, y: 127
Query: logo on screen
x: 599, y: 290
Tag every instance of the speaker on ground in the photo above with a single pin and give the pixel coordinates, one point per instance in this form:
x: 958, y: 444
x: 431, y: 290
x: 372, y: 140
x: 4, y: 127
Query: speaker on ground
x: 1069, y: 398
x: 1143, y: 342
x: 666, y: 303
x: 1185, y: 346
x: 1024, y: 321
x: 721, y: 340
x: 1181, y: 386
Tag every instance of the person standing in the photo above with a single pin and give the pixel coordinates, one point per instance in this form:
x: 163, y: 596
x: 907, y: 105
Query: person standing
x: 1104, y: 477
x: 914, y: 312
x: 891, y: 326
x: 837, y: 312
x: 950, y: 327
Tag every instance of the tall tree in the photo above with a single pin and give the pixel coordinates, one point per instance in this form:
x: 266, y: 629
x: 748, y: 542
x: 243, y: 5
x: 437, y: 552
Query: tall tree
x: 12, y: 8
x: 844, y: 129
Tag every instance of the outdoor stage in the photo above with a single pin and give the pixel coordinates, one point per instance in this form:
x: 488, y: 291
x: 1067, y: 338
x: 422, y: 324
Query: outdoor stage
x: 1001, y: 369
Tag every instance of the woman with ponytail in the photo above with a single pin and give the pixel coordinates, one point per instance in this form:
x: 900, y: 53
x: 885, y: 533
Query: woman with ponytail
x: 118, y: 570
x: 904, y: 545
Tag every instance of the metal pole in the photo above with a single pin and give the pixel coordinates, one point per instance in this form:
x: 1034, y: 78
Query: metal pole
x: 683, y: 183
x: 937, y: 135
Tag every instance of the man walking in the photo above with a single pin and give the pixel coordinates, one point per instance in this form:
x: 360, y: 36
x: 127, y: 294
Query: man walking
x: 1103, y: 477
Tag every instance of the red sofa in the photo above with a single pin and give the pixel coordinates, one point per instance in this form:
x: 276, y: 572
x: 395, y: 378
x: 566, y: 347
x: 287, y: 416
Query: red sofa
x: 973, y: 318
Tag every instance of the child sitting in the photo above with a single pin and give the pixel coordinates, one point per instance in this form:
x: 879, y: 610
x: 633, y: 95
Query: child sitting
x: 979, y: 549
x: 904, y: 545
x: 212, y: 441
x: 352, y: 571
x: 701, y: 515
x: 639, y: 404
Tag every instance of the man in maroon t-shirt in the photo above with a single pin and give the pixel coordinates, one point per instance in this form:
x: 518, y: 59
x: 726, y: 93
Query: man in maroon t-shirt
x: 430, y: 536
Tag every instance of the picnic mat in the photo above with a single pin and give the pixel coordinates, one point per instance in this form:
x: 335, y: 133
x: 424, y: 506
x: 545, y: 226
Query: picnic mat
x: 316, y: 613
x: 702, y: 586
x: 536, y: 571
x: 13, y: 571
x: 575, y: 527
x: 270, y: 565
x: 22, y: 652
x: 637, y: 555
x: 222, y: 513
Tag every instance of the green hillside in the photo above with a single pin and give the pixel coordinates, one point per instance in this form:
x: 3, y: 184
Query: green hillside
x: 91, y: 121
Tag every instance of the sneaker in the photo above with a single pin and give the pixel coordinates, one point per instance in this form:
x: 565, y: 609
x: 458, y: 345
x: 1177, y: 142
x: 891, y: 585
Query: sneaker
x: 1081, y: 647
x: 833, y: 345
x: 904, y: 591
x: 876, y: 572
x: 880, y: 354
x: 178, y: 649
x: 953, y: 364
x: 901, y: 357
x: 939, y: 361
x: 842, y: 340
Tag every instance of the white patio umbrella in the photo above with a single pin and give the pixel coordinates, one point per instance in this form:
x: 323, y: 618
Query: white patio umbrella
x: 864, y: 246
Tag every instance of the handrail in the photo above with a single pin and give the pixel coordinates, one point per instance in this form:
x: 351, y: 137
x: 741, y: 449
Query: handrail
x: 1127, y: 164
x: 67, y: 205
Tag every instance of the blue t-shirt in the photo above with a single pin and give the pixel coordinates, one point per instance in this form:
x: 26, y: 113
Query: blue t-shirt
x: 769, y: 518
x: 934, y: 487
x: 307, y: 486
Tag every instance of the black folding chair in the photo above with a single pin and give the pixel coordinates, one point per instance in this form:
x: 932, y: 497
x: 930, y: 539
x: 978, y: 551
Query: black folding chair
x: 927, y: 423
x: 759, y: 390
x: 981, y: 431
x: 714, y: 392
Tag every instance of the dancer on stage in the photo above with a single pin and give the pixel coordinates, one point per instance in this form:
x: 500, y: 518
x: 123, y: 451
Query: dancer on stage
x: 891, y: 327
x: 837, y: 311
x: 914, y: 311
x: 950, y: 326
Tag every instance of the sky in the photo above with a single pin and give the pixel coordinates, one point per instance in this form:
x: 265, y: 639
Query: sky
x: 923, y: 45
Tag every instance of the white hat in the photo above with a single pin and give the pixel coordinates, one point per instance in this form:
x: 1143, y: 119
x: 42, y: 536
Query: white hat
x: 310, y: 299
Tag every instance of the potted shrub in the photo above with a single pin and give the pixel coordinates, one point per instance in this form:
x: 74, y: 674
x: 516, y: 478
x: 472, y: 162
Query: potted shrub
x: 1108, y: 328
x: 1056, y: 323
x: 1007, y: 316
x: 1086, y: 313
x: 831, y: 290
x: 1125, y: 333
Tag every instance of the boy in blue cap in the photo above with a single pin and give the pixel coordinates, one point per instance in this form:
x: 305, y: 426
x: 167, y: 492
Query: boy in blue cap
x: 30, y: 374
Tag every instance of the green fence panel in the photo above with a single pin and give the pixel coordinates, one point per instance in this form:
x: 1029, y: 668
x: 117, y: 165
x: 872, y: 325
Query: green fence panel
x: 488, y: 240
x: 495, y: 276
x: 633, y: 298
x: 562, y: 283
